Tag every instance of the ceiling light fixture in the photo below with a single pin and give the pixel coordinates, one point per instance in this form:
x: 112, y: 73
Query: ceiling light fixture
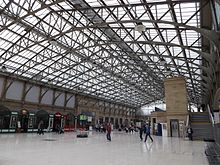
x: 49, y: 81
x: 162, y: 61
x: 168, y: 71
x: 53, y: 42
x: 3, y: 68
x: 140, y: 27
x: 38, y: 77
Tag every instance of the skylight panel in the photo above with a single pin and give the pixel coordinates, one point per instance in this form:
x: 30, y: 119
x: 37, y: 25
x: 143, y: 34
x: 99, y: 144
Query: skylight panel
x: 32, y: 70
x: 42, y: 13
x: 64, y: 5
x: 111, y: 2
x: 4, y: 45
x: 47, y: 62
x: 27, y: 54
x: 26, y: 74
x: 161, y: 10
x: 187, y: 10
x: 141, y: 38
x: 110, y: 19
x: 3, y: 3
x: 19, y: 12
x: 6, y: 34
x: 11, y: 63
x: 20, y: 59
x: 199, y: 73
x: 93, y: 3
x: 31, y: 20
x: 12, y: 37
x: 138, y: 10
x: 161, y: 48
x: 35, y: 48
x: 34, y: 4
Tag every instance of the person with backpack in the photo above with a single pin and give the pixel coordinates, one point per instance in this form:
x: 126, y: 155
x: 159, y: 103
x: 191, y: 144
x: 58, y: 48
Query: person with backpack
x: 147, y: 132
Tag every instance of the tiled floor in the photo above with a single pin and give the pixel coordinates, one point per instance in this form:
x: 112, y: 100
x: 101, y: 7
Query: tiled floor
x: 124, y: 149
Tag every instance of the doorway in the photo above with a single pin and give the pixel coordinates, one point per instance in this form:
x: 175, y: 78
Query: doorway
x: 174, y: 127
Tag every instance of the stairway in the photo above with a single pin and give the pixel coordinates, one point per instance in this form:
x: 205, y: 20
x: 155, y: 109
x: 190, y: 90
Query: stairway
x: 201, y: 125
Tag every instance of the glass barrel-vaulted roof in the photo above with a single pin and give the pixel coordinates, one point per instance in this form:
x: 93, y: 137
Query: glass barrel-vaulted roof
x: 92, y: 47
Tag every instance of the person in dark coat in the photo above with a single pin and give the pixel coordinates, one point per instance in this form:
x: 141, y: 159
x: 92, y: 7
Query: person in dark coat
x: 40, y: 127
x: 109, y: 130
x: 141, y: 130
x: 147, y: 131
x: 190, y: 132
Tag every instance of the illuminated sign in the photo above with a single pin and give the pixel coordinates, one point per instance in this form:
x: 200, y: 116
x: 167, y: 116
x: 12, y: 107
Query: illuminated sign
x: 58, y: 115
x: 82, y: 117
x: 24, y: 112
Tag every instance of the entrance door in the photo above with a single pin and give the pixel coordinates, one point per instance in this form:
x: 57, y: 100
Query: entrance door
x: 120, y: 121
x: 62, y: 122
x: 112, y: 120
x: 100, y: 120
x: 50, y: 125
x: 57, y: 122
x: 116, y: 123
x: 13, y: 122
x: 174, y: 125
x: 106, y: 119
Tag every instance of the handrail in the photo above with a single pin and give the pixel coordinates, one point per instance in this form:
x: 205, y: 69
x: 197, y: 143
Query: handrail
x: 210, y: 115
x: 185, y: 127
x: 187, y: 121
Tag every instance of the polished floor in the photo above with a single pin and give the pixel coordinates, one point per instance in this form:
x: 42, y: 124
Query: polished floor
x: 124, y: 149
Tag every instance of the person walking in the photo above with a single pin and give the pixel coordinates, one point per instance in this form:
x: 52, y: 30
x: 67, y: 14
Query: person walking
x: 141, y: 130
x: 190, y: 132
x: 109, y: 130
x: 147, y: 131
x: 40, y: 127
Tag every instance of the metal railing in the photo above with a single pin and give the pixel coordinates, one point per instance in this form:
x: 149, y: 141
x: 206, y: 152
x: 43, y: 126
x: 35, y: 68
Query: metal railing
x: 211, y: 115
x: 184, y: 133
x: 187, y: 121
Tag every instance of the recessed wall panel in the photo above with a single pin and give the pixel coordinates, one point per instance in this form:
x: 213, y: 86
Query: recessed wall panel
x: 47, y: 97
x: 33, y: 94
x: 71, y: 102
x: 15, y: 90
x: 1, y: 85
x: 60, y: 100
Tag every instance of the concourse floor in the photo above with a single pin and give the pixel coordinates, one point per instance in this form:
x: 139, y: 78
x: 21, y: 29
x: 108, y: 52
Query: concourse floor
x: 124, y: 149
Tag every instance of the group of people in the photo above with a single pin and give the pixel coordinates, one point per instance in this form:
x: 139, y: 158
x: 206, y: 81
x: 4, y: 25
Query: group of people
x: 145, y: 128
x: 100, y: 127
x: 40, y: 128
x: 131, y: 128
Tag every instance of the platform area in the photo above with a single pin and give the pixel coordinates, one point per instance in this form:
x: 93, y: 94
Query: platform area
x: 124, y: 149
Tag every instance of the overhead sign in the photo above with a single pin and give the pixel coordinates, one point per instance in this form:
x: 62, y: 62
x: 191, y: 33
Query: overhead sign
x: 83, y: 117
x: 89, y: 118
